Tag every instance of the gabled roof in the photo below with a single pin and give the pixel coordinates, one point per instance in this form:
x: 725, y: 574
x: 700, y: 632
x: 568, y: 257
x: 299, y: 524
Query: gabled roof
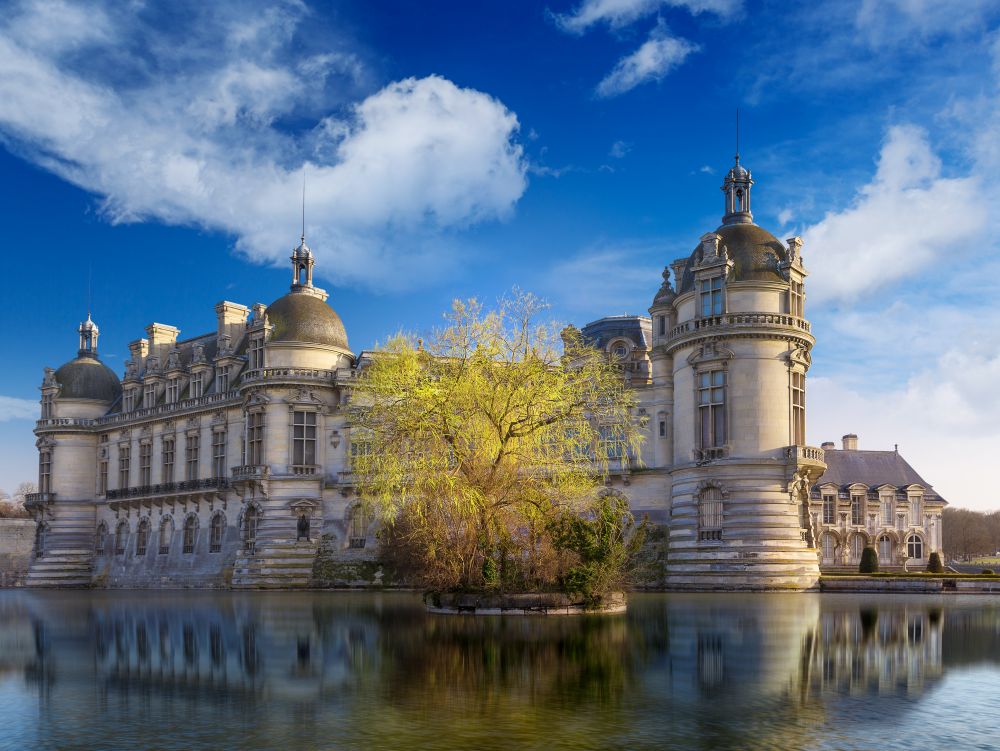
x: 871, y: 468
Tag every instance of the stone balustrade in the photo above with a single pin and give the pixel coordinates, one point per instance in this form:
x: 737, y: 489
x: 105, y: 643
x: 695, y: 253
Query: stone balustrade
x: 289, y: 374
x: 168, y: 488
x: 165, y: 409
x: 251, y: 472
x: 802, y: 454
x: 32, y: 500
x: 739, y: 320
x: 304, y: 469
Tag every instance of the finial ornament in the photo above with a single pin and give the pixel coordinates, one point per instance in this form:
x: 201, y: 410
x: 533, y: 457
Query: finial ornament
x: 736, y: 187
x: 89, y: 332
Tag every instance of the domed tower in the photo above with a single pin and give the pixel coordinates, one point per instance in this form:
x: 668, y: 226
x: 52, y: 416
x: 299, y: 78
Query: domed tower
x: 731, y: 352
x: 64, y: 506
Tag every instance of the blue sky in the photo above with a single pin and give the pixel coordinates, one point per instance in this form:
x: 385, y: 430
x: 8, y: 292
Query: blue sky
x: 572, y: 148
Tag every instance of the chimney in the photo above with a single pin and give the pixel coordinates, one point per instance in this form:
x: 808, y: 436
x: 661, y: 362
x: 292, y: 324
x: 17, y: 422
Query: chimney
x: 827, y: 446
x: 232, y: 319
x: 161, y: 339
x: 850, y: 442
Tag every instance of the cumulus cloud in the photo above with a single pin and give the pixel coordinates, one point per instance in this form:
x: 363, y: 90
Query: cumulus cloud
x: 12, y: 408
x: 215, y: 137
x: 658, y: 55
x: 906, y: 218
x: 619, y: 149
x: 619, y: 13
x: 604, y: 280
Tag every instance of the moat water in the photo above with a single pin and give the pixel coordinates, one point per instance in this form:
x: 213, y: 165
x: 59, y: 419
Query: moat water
x: 337, y: 670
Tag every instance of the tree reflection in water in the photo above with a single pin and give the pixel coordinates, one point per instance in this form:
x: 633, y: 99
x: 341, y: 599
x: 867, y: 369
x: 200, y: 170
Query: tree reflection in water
x: 343, y: 670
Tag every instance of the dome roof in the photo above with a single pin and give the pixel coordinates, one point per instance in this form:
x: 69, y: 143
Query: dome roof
x: 302, y: 317
x: 88, y: 378
x: 755, y: 253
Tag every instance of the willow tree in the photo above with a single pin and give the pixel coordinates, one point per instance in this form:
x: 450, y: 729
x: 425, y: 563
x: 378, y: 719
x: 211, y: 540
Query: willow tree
x: 484, y: 451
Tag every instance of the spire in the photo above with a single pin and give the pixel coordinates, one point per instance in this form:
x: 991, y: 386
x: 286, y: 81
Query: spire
x: 88, y: 338
x: 302, y: 257
x: 737, y: 188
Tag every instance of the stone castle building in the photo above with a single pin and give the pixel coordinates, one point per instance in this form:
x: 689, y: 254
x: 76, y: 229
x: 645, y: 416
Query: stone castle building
x: 224, y: 459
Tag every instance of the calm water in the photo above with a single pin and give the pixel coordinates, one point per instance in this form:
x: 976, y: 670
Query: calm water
x: 345, y: 671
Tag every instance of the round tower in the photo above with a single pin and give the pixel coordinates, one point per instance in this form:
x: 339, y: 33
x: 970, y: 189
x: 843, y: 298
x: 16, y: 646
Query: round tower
x: 735, y: 346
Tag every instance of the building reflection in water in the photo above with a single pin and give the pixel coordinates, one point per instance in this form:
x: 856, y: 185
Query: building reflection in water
x: 705, y: 670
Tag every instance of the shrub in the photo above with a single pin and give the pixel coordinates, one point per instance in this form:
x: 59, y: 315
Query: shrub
x: 869, y: 561
x: 934, y: 564
x: 987, y: 571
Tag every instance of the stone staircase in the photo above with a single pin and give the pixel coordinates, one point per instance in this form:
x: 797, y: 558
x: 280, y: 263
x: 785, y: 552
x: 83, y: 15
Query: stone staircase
x: 276, y: 564
x: 61, y: 568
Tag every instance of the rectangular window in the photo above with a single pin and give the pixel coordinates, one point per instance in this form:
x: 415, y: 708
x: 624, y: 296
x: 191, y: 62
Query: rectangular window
x: 663, y: 428
x: 712, y: 408
x: 173, y: 390
x: 915, y: 512
x: 255, y: 438
x: 222, y: 379
x: 611, y: 445
x: 256, y: 352
x: 191, y: 448
x: 219, y: 453
x: 829, y: 509
x: 857, y: 509
x: 710, y: 515
x: 46, y: 406
x: 124, y: 457
x: 798, y: 409
x: 149, y: 396
x: 102, y: 478
x: 129, y: 399
x: 145, y: 463
x: 168, y: 460
x: 45, y: 471
x: 661, y: 322
x: 796, y: 299
x: 197, y: 384
x: 303, y: 437
x: 888, y: 510
x: 711, y: 296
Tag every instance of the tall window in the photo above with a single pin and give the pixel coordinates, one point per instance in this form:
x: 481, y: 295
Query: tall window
x: 857, y: 546
x: 799, y: 409
x: 829, y: 509
x: 255, y: 438
x: 710, y: 296
x: 142, y: 538
x: 857, y: 508
x: 197, y: 384
x: 124, y: 459
x: 102, y: 538
x: 712, y: 408
x: 914, y: 547
x: 795, y: 300
x: 916, y: 519
x: 166, y: 532
x: 222, y: 379
x: 149, y: 396
x: 145, y: 463
x: 191, y: 448
x: 46, y: 406
x: 255, y: 351
x: 359, y: 527
x: 128, y: 399
x: 190, y: 532
x: 303, y: 438
x: 121, y: 537
x: 173, y: 390
x: 888, y: 510
x: 45, y: 471
x: 250, y: 520
x: 829, y: 547
x: 710, y: 514
x: 885, y: 549
x: 661, y: 325
x: 611, y: 444
x: 219, y: 453
x: 168, y: 460
x: 102, y: 478
x: 215, y: 533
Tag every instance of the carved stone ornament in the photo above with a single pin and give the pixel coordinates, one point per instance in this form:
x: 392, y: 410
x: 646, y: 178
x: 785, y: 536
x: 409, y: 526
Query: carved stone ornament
x: 193, y: 422
x: 711, y: 484
x: 45, y: 442
x: 198, y: 353
x: 255, y: 398
x: 711, y: 251
x: 218, y: 418
x: 710, y: 351
x: 678, y: 267
x: 795, y: 250
x: 174, y: 359
x: 152, y: 364
x: 131, y: 369
x: 125, y: 434
x: 102, y: 452
x: 146, y: 432
x: 49, y: 379
x: 799, y: 356
x: 225, y: 346
x: 305, y: 396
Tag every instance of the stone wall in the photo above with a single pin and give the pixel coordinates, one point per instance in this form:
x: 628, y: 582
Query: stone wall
x: 17, y: 539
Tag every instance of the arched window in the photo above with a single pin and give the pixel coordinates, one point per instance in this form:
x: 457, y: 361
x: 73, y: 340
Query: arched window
x: 215, y: 533
x: 101, y: 542
x: 166, y: 533
x: 190, y: 533
x: 914, y: 547
x: 857, y: 546
x: 250, y: 520
x: 710, y: 514
x: 885, y: 549
x: 121, y: 537
x: 41, y: 532
x: 142, y: 537
x: 829, y: 547
x: 359, y: 527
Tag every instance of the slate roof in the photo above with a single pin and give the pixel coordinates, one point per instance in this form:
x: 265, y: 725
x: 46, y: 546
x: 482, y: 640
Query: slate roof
x: 871, y: 468
x: 755, y: 252
x: 638, y: 329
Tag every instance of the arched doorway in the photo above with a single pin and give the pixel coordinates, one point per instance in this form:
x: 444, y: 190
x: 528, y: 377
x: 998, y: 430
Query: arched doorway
x: 885, y: 549
x: 829, y: 542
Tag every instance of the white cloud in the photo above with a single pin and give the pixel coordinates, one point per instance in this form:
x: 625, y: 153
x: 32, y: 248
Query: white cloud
x: 604, y: 281
x: 906, y: 218
x: 618, y: 13
x: 198, y: 142
x: 883, y: 22
x: 651, y: 62
x: 12, y: 408
x: 619, y: 149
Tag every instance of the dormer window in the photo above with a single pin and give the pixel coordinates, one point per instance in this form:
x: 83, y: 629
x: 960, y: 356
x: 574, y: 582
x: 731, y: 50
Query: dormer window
x: 197, y: 384
x: 256, y: 352
x: 46, y: 406
x: 620, y: 352
x: 149, y: 396
x: 173, y: 390
x: 796, y: 300
x: 222, y: 379
x: 129, y: 399
x: 710, y: 296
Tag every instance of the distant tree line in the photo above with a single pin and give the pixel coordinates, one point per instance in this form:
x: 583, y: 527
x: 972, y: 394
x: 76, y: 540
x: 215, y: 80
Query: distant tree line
x: 12, y: 504
x: 970, y: 534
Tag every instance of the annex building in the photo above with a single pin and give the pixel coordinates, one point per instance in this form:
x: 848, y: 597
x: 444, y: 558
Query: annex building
x: 224, y: 459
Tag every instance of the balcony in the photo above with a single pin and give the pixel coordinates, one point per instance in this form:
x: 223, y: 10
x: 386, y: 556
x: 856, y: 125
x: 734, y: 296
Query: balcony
x: 33, y: 500
x: 197, y: 402
x: 288, y: 374
x: 251, y: 472
x: 740, y: 320
x: 799, y: 455
x: 168, y: 488
x: 65, y: 422
x: 711, y: 454
x: 304, y: 469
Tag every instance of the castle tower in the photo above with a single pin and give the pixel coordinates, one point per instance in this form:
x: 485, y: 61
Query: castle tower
x: 731, y: 352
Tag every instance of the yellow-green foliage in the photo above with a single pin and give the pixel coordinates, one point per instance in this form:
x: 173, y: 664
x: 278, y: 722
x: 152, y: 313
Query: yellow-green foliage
x: 470, y: 445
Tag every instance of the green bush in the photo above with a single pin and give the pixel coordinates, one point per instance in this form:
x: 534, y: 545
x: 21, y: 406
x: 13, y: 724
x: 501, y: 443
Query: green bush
x: 934, y: 564
x: 987, y: 571
x: 869, y: 561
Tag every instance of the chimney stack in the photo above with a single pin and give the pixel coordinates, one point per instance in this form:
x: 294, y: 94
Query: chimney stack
x: 232, y: 318
x: 850, y: 442
x: 827, y: 446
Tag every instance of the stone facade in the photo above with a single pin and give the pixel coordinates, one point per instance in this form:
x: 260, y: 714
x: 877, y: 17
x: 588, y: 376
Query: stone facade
x: 223, y: 460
